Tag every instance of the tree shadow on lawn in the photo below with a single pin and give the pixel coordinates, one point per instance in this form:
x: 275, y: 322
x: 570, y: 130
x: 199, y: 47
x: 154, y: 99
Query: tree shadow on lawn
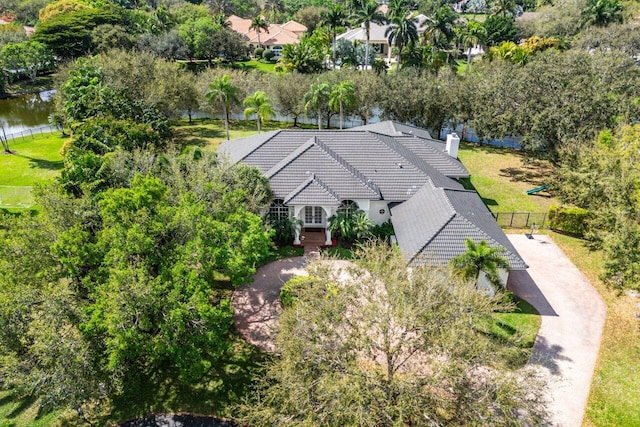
x: 42, y: 163
x: 226, y: 383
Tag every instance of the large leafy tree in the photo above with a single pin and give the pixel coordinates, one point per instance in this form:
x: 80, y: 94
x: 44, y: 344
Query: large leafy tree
x: 258, y: 104
x: 341, y: 97
x: 480, y: 258
x: 305, y: 57
x: 121, y: 285
x: 371, y: 345
x: 26, y: 59
x: 366, y: 13
x: 223, y: 92
x: 316, y: 100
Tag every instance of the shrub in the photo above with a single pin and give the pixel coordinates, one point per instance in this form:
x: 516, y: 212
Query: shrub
x: 258, y: 52
x: 291, y: 290
x: 268, y: 55
x: 383, y: 231
x: 568, y: 219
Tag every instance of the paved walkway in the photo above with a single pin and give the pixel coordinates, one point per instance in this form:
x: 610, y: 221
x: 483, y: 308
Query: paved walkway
x: 257, y: 304
x: 573, y: 316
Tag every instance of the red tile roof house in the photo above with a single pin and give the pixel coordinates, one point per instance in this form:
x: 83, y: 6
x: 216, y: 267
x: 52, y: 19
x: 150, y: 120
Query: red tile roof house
x: 390, y: 171
x: 277, y: 36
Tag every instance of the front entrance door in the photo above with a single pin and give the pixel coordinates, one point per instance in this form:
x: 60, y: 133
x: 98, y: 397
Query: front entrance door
x: 313, y: 216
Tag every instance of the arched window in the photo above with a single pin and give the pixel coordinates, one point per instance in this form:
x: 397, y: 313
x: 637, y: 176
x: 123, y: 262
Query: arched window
x: 349, y: 207
x: 278, y: 211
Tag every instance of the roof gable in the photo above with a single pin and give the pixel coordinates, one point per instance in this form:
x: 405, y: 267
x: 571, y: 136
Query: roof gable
x: 313, y: 192
x: 432, y: 226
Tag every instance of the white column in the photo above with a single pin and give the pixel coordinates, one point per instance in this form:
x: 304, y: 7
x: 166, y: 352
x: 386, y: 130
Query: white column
x: 328, y: 240
x: 328, y: 212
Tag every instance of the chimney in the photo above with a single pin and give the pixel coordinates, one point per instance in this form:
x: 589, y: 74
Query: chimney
x: 453, y: 143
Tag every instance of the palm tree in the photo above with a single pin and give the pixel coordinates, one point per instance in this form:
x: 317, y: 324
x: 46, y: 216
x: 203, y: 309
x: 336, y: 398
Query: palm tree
x: 440, y: 30
x: 473, y: 34
x: 366, y: 14
x: 403, y: 31
x: 503, y: 7
x: 222, y: 91
x: 601, y: 13
x: 334, y: 18
x: 273, y: 8
x: 316, y: 97
x: 222, y: 20
x: 260, y: 105
x: 343, y: 95
x: 258, y: 23
x: 480, y: 257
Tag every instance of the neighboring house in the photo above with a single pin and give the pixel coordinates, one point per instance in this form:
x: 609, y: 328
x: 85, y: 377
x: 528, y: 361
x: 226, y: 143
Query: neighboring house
x: 275, y: 38
x: 377, y: 38
x: 388, y: 170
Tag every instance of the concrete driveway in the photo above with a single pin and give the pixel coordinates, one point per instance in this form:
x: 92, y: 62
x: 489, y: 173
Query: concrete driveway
x: 573, y: 316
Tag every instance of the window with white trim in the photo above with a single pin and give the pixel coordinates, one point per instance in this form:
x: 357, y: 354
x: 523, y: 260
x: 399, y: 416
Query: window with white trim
x: 348, y: 206
x: 278, y: 211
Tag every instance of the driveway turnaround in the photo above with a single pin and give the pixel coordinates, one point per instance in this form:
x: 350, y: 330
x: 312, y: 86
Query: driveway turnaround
x: 257, y: 304
x: 573, y: 315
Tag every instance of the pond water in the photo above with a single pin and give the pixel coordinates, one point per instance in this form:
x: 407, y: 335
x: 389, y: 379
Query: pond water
x: 26, y: 111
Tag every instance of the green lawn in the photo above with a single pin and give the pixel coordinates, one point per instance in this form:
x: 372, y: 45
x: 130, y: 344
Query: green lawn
x: 15, y: 412
x: 269, y: 67
x: 519, y: 328
x: 209, y: 133
x: 502, y: 176
x: 35, y: 159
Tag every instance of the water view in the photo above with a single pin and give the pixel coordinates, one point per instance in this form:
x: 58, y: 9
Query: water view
x: 25, y: 112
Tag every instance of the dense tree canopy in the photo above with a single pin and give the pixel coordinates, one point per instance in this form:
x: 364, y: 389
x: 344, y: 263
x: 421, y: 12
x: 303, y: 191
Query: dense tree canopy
x: 370, y: 345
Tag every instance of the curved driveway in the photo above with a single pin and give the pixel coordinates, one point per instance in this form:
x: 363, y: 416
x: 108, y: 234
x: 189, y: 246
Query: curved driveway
x: 573, y: 315
x: 256, y: 304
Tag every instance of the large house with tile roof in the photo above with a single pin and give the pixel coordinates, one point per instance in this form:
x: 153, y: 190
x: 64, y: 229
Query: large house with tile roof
x: 389, y: 170
x: 276, y: 36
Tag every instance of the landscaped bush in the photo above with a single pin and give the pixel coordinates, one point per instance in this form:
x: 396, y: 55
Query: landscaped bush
x: 268, y: 55
x: 383, y: 231
x: 258, y: 52
x: 290, y: 290
x: 568, y: 219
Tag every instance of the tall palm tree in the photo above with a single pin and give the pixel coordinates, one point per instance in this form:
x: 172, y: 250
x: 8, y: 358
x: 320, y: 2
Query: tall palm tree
x: 503, y: 7
x: 366, y: 14
x: 403, y: 31
x: 480, y: 257
x: 334, y: 18
x: 440, y: 32
x: 273, y: 8
x: 259, y: 24
x: 260, y: 105
x: 222, y: 91
x: 316, y: 97
x: 472, y: 34
x: 343, y: 95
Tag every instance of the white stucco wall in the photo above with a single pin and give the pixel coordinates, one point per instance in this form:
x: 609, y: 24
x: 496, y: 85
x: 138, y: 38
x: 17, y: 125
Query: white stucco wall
x: 483, y: 282
x: 375, y: 216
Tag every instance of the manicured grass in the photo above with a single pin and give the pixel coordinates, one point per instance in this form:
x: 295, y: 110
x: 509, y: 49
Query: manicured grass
x: 35, y: 160
x: 519, y: 328
x: 502, y: 176
x: 284, y: 252
x: 209, y: 133
x: 265, y: 67
x: 615, y: 390
x: 473, y: 17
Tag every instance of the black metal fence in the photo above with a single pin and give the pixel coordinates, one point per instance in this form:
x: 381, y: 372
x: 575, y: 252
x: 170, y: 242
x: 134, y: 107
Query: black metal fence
x: 29, y: 132
x: 520, y: 219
